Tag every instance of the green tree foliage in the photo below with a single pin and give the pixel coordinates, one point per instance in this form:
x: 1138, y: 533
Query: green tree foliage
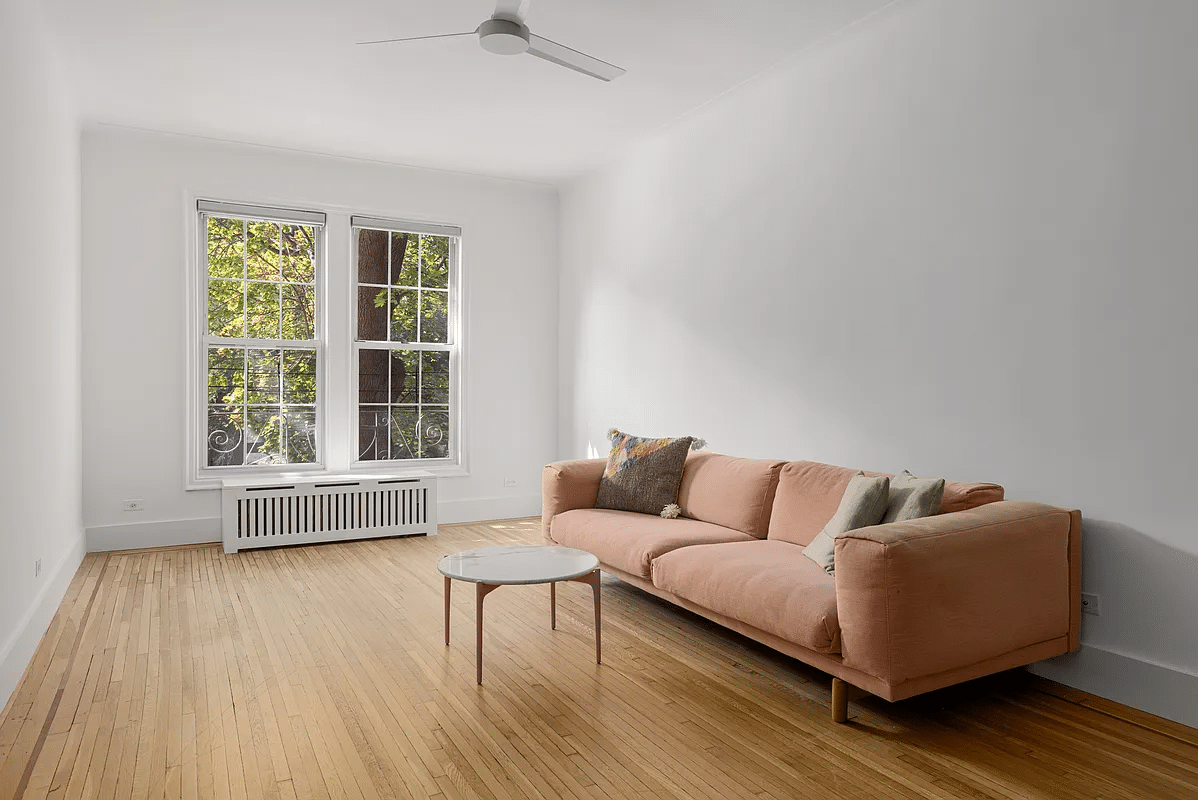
x: 261, y: 285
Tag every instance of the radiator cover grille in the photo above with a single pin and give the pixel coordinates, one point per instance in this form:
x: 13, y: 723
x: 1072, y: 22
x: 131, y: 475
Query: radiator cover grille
x: 325, y: 510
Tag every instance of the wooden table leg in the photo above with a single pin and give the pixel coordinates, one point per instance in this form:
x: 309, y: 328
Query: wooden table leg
x: 553, y: 606
x: 448, y: 583
x: 593, y: 579
x: 595, y: 582
x: 481, y: 591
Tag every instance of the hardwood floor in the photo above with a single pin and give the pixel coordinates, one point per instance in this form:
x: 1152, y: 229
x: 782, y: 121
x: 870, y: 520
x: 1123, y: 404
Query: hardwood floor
x: 321, y: 671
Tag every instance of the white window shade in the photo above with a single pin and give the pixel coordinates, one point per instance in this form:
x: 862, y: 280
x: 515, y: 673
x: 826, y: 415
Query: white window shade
x: 264, y: 213
x: 426, y: 228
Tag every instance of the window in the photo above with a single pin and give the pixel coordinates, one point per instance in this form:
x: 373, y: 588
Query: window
x: 286, y: 379
x: 260, y: 342
x: 406, y: 349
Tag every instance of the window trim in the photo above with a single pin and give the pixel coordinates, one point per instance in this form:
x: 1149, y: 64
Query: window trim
x: 199, y: 207
x: 455, y: 463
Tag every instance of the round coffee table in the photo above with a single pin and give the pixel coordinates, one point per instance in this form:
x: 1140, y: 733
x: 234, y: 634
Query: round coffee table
x: 491, y: 567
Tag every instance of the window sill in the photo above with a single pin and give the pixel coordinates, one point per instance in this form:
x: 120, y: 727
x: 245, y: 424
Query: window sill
x: 440, y: 471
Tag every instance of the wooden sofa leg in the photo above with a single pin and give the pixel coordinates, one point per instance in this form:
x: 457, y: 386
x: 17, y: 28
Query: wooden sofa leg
x: 840, y: 700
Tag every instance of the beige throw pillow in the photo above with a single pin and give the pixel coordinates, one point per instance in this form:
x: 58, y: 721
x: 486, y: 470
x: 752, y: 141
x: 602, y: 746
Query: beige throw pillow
x: 913, y: 498
x: 864, y: 503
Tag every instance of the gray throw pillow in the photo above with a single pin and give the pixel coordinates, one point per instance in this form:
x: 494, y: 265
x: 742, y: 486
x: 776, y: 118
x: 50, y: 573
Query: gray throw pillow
x: 864, y: 504
x: 643, y: 474
x: 913, y: 498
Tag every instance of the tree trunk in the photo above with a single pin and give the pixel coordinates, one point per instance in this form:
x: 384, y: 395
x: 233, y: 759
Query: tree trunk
x: 374, y: 365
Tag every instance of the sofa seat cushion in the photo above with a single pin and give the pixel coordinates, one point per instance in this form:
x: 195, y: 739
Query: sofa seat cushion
x: 630, y: 541
x: 768, y: 584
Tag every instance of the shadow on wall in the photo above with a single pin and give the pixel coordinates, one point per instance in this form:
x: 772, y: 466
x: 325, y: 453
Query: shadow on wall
x: 1148, y: 595
x: 1142, y: 649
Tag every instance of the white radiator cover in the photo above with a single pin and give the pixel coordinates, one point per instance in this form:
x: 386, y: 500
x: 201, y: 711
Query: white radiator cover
x: 259, y: 512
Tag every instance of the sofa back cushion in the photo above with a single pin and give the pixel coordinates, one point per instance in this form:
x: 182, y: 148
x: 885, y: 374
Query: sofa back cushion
x: 807, y: 497
x: 809, y: 493
x: 736, y: 493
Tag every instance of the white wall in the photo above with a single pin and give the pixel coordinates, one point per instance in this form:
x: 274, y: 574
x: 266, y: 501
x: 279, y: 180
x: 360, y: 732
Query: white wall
x: 39, y: 323
x: 958, y: 238
x: 134, y: 186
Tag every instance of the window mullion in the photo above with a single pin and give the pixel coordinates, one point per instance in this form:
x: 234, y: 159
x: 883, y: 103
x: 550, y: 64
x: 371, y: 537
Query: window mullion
x: 244, y: 332
x: 419, y: 286
x: 419, y: 399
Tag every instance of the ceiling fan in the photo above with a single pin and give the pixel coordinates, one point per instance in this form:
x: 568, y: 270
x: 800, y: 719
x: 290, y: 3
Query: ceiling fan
x: 506, y: 33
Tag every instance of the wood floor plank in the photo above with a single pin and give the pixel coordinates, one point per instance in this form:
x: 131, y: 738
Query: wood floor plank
x: 320, y: 672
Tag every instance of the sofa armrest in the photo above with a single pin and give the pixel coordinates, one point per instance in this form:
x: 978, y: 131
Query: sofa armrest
x: 924, y: 596
x: 566, y: 485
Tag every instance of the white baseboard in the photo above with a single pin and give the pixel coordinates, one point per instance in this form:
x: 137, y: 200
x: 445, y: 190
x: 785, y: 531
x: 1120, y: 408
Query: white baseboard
x: 1164, y: 691
x: 450, y: 512
x: 153, y: 534
x: 207, y: 529
x: 18, y: 650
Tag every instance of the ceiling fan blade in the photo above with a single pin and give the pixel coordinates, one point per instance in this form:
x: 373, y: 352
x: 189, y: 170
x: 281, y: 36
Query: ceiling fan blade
x: 559, y: 54
x: 515, y: 10
x: 416, y: 38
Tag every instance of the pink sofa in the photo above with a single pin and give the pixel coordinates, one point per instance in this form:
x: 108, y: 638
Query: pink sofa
x: 986, y: 585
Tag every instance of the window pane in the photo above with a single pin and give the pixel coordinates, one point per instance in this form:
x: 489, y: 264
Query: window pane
x: 226, y: 308
x: 226, y: 375
x: 262, y: 311
x: 372, y: 376
x: 372, y: 314
x: 373, y: 433
x: 405, y: 251
x: 405, y: 375
x: 263, y: 436
x: 434, y: 432
x: 404, y: 432
x: 434, y: 378
x: 434, y: 317
x: 226, y: 248
x: 403, y: 315
x: 299, y: 377
x: 224, y: 436
x: 299, y: 312
x: 263, y: 374
x: 300, y: 436
x: 372, y: 256
x: 262, y: 251
x: 299, y: 253
x: 387, y: 376
x: 434, y: 262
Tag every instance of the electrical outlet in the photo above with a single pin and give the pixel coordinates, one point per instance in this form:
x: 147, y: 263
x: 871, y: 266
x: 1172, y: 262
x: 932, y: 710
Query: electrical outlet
x: 133, y: 505
x: 509, y: 483
x: 37, y: 568
x: 1091, y: 604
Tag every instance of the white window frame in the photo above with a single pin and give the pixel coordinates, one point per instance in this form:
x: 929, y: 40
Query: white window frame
x: 337, y: 354
x: 454, y: 463
x: 202, y: 476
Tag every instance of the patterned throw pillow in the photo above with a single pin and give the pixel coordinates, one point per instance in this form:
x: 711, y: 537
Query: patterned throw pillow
x: 643, y: 475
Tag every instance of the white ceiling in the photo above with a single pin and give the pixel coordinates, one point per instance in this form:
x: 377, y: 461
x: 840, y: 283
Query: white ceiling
x: 287, y: 73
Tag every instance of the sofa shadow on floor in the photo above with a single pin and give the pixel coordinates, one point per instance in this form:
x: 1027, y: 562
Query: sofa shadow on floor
x: 816, y: 684
x: 1011, y: 729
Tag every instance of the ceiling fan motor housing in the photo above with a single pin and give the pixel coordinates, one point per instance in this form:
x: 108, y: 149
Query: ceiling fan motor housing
x: 503, y: 36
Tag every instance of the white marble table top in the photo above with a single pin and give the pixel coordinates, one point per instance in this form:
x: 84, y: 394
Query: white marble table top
x: 515, y: 565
